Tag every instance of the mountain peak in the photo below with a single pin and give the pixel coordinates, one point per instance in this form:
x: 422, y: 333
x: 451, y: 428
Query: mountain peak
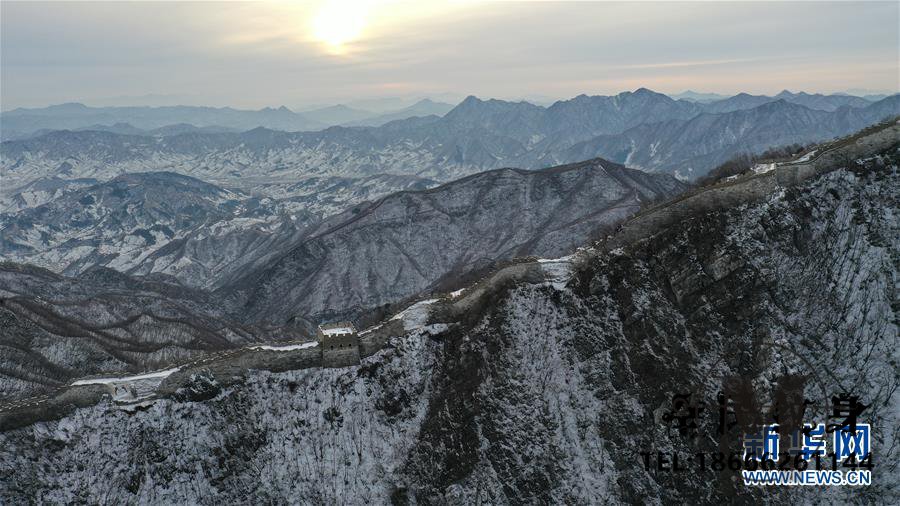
x: 258, y: 131
x: 469, y: 105
x: 281, y: 109
x: 641, y: 93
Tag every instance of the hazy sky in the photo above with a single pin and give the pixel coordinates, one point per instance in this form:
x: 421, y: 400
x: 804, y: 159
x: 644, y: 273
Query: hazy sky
x: 255, y: 54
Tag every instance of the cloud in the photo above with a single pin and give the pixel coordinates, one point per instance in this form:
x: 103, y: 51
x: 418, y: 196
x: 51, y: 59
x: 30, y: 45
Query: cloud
x: 254, y: 54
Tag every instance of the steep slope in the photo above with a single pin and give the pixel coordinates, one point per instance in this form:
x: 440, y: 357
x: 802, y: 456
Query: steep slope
x: 412, y: 241
x: 57, y: 328
x: 542, y: 392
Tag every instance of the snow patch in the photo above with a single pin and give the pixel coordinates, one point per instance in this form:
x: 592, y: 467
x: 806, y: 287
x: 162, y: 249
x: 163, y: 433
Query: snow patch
x: 761, y: 168
x: 415, y: 316
x: 807, y: 156
x: 337, y: 331
x: 288, y: 347
x: 126, y: 379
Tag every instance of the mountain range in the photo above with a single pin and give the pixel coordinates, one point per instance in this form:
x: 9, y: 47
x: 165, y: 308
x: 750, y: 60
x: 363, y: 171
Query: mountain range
x: 169, y: 223
x: 641, y: 129
x: 695, y: 146
x: 311, y: 256
x: 59, y: 328
x: 23, y: 123
x: 158, y: 266
x: 348, y: 116
x: 543, y: 388
x: 415, y: 241
x: 143, y: 120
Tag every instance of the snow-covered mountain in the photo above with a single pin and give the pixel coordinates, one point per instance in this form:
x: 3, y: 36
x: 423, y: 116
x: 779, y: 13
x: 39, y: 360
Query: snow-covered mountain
x: 40, y: 191
x: 161, y: 222
x: 408, y: 242
x: 544, y: 388
x: 168, y: 233
x: 58, y: 328
x: 476, y: 135
x: 691, y: 148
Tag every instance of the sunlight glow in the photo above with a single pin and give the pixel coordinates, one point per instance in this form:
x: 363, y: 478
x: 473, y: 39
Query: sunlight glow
x: 339, y: 23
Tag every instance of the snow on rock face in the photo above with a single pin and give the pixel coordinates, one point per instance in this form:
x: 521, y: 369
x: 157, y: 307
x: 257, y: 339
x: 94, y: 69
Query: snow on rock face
x: 415, y: 316
x: 337, y: 331
x: 158, y: 375
x: 286, y: 347
x: 162, y: 222
x: 409, y: 242
x: 537, y: 394
x: 309, y: 436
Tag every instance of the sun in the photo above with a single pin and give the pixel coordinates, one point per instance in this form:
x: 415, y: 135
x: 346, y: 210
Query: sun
x: 340, y: 22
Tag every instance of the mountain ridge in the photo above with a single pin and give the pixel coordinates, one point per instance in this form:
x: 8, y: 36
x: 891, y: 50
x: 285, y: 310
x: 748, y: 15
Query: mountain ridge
x: 489, y: 135
x: 432, y: 233
x: 556, y: 357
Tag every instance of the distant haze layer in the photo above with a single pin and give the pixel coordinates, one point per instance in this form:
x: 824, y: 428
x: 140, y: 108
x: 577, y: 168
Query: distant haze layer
x: 298, y: 54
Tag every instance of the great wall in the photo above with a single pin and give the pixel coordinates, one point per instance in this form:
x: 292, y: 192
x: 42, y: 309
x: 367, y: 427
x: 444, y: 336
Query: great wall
x: 754, y: 187
x: 228, y: 367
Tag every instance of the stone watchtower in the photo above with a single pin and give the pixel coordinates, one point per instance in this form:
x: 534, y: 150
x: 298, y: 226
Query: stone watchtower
x: 339, y: 344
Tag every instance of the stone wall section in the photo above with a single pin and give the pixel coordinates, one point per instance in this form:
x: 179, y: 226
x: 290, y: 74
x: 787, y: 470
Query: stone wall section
x: 832, y: 156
